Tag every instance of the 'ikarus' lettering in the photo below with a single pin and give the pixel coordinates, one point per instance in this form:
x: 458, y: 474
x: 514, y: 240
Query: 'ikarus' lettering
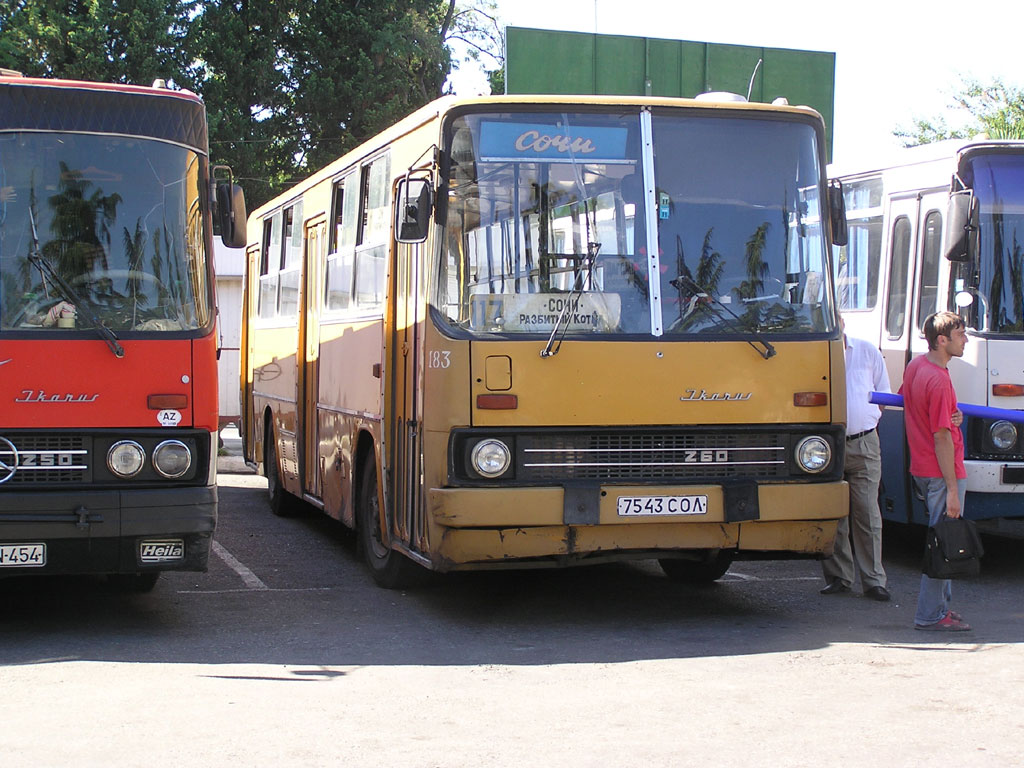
x: 693, y: 394
x: 40, y: 396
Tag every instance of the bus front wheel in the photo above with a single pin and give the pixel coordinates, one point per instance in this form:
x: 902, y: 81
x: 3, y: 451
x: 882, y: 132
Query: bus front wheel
x: 390, y: 569
x: 711, y: 566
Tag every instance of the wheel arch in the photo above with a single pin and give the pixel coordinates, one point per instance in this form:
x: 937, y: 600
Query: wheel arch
x: 366, y: 450
x: 266, y: 434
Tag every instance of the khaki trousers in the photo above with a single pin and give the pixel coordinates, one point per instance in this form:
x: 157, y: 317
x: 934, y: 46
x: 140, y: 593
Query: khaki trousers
x: 863, y: 471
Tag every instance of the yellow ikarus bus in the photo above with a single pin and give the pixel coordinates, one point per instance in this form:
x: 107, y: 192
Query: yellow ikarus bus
x: 524, y: 331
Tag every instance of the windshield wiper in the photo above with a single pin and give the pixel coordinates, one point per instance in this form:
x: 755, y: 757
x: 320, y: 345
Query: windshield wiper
x: 44, y: 265
x: 767, y: 352
x: 550, y: 350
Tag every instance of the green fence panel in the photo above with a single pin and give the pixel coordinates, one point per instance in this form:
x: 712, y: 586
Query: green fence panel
x: 548, y: 61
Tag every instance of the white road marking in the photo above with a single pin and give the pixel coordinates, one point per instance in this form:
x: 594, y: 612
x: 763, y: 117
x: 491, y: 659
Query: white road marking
x: 236, y: 591
x: 252, y: 581
x: 747, y: 577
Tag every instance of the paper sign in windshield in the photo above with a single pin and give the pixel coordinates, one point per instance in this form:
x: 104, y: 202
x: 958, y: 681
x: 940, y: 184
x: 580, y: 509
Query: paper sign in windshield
x: 540, y: 312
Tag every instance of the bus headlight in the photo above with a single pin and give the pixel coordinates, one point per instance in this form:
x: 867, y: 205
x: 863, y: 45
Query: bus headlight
x: 491, y: 458
x: 172, y: 458
x: 1003, y: 435
x: 125, y: 458
x: 813, y: 454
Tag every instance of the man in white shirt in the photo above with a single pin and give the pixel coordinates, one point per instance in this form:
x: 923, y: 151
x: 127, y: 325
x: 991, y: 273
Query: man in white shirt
x: 865, y: 373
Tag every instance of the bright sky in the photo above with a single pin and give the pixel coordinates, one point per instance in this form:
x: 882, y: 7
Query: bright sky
x: 895, y: 59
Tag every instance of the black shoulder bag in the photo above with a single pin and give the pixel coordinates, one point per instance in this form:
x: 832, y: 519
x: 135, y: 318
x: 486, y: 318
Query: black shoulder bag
x: 952, y: 549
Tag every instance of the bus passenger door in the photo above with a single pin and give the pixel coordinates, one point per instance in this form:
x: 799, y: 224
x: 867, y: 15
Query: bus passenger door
x: 929, y: 286
x: 248, y: 424
x: 896, y: 334
x: 309, y: 362
x: 915, y: 291
x: 402, y: 403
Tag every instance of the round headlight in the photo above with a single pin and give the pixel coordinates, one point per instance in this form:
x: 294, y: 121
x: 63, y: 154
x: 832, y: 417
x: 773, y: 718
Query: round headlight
x: 491, y: 458
x: 1003, y: 435
x: 172, y: 458
x: 125, y: 458
x: 813, y: 454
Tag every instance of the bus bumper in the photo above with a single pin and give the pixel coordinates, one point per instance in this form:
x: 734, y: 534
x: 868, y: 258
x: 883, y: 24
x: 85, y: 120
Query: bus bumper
x: 104, y: 532
x: 489, y: 525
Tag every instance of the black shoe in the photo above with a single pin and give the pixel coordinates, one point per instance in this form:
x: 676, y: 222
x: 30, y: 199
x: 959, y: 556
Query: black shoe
x: 835, y: 587
x: 881, y: 594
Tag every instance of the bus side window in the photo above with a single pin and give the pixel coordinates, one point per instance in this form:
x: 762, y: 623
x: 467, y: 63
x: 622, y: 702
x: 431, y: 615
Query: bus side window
x: 857, y: 264
x: 898, y: 268
x: 269, y: 265
x: 372, y: 237
x: 928, y: 290
x: 340, y: 261
x: 291, y: 261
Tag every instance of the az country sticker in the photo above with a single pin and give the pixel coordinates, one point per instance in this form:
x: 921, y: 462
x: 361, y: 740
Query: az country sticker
x: 169, y: 418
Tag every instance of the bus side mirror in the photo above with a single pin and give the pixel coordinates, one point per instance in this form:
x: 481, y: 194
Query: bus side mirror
x: 962, y: 226
x: 837, y: 213
x: 412, y: 211
x: 229, y: 214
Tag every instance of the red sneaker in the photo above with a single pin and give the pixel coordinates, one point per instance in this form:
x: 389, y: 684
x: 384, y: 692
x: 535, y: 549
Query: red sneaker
x: 946, y: 624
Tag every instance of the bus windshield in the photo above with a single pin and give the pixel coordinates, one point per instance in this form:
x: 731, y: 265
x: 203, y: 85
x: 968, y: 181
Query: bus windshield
x: 998, y: 183
x: 550, y: 215
x: 110, y: 222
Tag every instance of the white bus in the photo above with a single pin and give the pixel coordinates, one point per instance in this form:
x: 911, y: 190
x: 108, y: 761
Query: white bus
x: 942, y: 228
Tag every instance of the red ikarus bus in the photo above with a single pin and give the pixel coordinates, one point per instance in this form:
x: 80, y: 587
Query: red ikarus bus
x: 108, y: 347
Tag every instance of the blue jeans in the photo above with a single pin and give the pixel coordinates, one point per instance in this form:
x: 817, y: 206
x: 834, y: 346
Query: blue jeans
x: 933, y: 599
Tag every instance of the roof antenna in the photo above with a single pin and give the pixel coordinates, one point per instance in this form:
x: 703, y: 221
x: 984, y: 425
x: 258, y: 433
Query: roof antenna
x: 750, y: 87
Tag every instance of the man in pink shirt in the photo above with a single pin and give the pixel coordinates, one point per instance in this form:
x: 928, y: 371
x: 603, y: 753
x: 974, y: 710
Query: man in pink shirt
x: 936, y: 444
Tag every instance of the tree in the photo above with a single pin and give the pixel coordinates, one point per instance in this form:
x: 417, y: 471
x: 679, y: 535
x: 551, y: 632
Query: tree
x: 355, y: 68
x: 130, y: 41
x: 995, y: 109
x: 242, y: 76
x: 477, y: 34
x: 289, y: 85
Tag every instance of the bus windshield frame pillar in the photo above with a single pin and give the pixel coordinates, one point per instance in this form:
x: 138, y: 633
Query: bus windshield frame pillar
x: 651, y: 220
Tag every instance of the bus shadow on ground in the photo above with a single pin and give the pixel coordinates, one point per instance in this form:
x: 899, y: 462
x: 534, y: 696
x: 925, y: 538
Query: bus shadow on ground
x: 327, y: 612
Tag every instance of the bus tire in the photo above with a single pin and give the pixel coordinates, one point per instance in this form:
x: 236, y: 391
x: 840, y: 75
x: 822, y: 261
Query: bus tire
x: 390, y: 569
x: 133, y: 583
x: 282, y: 503
x: 711, y: 567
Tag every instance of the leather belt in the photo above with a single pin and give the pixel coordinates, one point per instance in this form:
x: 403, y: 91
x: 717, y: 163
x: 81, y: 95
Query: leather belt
x: 858, y: 435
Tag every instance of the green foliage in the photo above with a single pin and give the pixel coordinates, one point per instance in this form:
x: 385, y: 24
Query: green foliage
x: 354, y: 68
x: 249, y: 99
x: 478, y: 35
x: 133, y: 41
x: 995, y: 109
x: 496, y: 78
x: 289, y: 85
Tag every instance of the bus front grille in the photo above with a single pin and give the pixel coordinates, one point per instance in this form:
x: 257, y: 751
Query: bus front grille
x: 666, y: 457
x: 44, y: 459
